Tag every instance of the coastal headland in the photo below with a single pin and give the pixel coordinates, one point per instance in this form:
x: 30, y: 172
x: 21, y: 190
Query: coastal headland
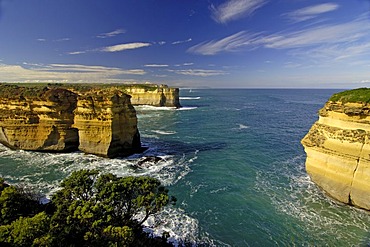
x: 338, y: 148
x: 94, y: 118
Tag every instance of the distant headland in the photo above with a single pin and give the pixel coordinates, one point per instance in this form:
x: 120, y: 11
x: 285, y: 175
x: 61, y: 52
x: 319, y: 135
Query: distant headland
x: 94, y: 118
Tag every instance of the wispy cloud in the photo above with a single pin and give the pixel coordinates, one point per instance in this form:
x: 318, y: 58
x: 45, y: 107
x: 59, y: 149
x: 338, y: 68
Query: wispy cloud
x: 111, y: 34
x: 184, y: 64
x: 76, y: 52
x: 199, y: 72
x: 311, y: 12
x: 349, y: 39
x: 324, y: 34
x: 62, y: 39
x: 113, y: 48
x: 123, y: 47
x: 181, y: 41
x: 231, y: 43
x: 156, y: 65
x: 63, y: 72
x: 235, y: 9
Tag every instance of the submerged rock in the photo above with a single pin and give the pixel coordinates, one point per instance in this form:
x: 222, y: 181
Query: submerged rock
x: 148, y: 161
x: 338, y: 150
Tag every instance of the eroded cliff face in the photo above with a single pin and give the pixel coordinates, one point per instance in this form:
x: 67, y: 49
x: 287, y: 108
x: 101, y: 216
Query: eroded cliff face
x: 338, y: 152
x: 101, y: 122
x: 106, y: 123
x: 156, y: 95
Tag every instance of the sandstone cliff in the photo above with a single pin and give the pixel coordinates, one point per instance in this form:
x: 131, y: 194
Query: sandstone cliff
x: 155, y: 95
x: 141, y: 94
x: 95, y: 121
x: 338, y: 148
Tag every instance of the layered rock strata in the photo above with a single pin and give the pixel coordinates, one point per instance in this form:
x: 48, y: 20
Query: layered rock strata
x: 156, y: 95
x: 101, y: 122
x: 338, y: 152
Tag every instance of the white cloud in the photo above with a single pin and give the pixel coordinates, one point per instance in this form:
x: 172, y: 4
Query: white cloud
x: 156, y: 65
x: 199, y: 72
x: 311, y: 11
x: 181, y: 41
x: 122, y: 47
x: 338, y: 33
x: 76, y: 52
x: 62, y: 40
x: 111, y: 34
x: 235, y: 9
x: 184, y: 64
x: 341, y: 40
x: 63, y: 72
x: 231, y: 43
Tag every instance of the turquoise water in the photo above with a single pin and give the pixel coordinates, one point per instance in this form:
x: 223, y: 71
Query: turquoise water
x: 233, y: 159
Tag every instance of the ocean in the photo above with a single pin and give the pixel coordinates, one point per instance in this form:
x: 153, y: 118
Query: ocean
x: 233, y: 160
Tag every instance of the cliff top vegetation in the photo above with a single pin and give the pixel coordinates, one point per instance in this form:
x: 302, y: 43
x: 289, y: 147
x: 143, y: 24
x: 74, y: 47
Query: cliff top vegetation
x: 34, y: 89
x: 359, y: 95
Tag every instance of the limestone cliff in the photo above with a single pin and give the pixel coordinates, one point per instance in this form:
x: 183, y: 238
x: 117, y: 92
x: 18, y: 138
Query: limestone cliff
x: 101, y: 122
x: 338, y: 148
x: 155, y: 95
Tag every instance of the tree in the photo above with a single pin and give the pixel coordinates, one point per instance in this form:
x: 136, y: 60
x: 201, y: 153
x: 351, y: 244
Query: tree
x: 16, y: 202
x: 94, y: 209
x: 89, y: 210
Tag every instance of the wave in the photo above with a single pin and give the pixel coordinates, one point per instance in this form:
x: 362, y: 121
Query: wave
x: 242, y: 126
x: 303, y: 201
x: 186, y: 108
x: 189, y: 98
x: 163, y: 108
x: 44, y: 172
x: 155, y: 108
x: 162, y: 132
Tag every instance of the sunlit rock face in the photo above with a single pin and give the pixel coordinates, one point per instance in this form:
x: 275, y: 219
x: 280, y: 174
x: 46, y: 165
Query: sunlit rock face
x: 106, y: 123
x: 52, y: 119
x: 38, y: 120
x: 338, y: 152
x: 155, y: 95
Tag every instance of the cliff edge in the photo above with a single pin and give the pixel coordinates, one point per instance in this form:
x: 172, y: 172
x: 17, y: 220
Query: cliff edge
x: 338, y: 148
x: 54, y: 119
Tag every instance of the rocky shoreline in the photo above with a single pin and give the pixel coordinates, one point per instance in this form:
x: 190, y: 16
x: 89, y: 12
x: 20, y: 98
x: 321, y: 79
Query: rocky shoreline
x: 338, y: 150
x: 95, y: 119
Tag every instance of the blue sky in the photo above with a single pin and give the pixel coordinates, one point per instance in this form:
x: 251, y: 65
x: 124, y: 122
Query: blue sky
x: 187, y: 43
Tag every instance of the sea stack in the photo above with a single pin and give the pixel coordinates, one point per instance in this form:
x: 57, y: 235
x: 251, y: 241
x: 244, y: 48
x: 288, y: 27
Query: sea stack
x: 338, y: 148
x: 54, y: 119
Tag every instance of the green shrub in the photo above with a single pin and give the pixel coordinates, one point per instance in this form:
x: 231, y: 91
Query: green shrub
x: 360, y: 95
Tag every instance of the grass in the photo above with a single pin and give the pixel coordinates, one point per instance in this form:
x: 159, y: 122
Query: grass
x: 11, y: 90
x: 359, y: 95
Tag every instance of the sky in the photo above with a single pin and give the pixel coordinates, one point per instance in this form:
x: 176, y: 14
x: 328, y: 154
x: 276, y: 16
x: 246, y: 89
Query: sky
x: 187, y: 43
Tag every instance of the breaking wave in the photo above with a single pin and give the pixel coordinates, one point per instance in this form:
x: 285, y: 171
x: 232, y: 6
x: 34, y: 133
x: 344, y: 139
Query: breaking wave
x: 44, y: 172
x: 189, y: 98
x: 307, y: 204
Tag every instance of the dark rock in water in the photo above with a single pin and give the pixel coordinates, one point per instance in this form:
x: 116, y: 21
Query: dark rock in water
x: 148, y: 161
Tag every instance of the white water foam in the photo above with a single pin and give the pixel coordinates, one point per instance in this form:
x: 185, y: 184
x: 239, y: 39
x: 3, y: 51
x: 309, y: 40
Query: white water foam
x: 305, y: 202
x: 163, y: 132
x: 155, y: 108
x: 242, y: 126
x: 44, y: 172
x: 146, y: 108
x: 189, y: 98
x: 186, y: 108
